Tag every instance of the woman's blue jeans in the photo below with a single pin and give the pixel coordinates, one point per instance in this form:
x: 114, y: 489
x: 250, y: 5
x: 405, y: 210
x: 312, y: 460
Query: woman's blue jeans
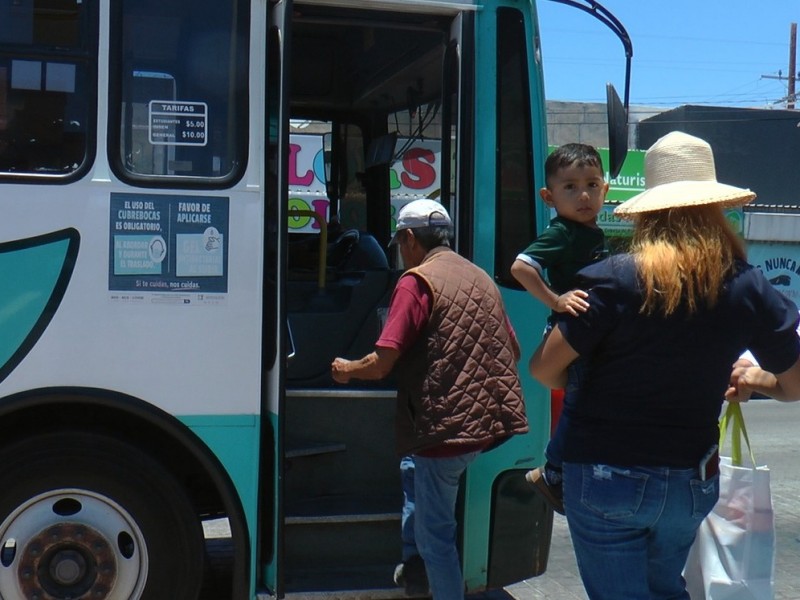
x: 433, y: 514
x: 632, y: 528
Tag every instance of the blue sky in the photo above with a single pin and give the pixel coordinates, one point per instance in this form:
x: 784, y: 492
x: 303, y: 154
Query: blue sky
x: 704, y: 52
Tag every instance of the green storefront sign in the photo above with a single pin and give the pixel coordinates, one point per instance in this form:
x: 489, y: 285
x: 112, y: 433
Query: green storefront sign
x: 624, y: 186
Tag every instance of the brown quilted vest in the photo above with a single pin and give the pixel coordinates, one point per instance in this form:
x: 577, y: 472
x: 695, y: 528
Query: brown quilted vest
x: 458, y: 384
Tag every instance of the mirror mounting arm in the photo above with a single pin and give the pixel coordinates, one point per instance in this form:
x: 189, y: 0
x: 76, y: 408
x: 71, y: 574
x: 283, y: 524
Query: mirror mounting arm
x: 602, y: 14
x: 617, y: 111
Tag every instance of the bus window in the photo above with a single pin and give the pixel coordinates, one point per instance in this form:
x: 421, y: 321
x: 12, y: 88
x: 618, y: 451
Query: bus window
x: 416, y: 165
x: 47, y: 86
x: 146, y: 156
x: 180, y: 92
x: 516, y: 217
x: 329, y: 183
x: 352, y: 210
x: 456, y: 185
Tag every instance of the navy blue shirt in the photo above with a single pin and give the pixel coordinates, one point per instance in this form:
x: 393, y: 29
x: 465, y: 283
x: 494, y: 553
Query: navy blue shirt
x: 654, y: 385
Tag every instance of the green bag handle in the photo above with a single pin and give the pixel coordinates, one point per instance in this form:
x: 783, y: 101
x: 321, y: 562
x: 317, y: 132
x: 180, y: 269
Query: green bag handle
x: 733, y: 419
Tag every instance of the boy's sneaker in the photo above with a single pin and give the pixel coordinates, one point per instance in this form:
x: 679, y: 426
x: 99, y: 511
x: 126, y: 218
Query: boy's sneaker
x: 410, y: 574
x: 552, y: 494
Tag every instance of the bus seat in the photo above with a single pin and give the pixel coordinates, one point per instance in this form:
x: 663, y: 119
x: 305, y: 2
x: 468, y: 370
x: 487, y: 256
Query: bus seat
x: 340, y: 248
x: 363, y: 254
x: 328, y: 323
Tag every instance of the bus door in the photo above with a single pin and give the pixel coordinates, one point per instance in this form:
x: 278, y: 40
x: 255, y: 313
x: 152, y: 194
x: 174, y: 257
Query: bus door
x: 456, y: 147
x: 365, y: 138
x: 277, y: 350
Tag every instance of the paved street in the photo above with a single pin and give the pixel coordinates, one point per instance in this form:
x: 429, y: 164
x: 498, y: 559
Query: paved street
x: 774, y: 430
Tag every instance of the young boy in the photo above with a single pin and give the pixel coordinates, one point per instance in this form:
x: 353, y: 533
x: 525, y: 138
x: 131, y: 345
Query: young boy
x: 576, y: 189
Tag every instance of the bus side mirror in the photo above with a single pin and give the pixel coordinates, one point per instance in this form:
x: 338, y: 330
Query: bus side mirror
x: 617, y: 131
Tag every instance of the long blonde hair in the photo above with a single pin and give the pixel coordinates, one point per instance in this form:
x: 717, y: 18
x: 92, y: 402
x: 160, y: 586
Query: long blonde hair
x: 683, y: 256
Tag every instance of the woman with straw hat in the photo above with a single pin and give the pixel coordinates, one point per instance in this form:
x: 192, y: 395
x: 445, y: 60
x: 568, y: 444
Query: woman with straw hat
x: 665, y: 327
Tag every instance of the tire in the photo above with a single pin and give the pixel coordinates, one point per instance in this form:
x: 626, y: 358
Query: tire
x: 88, y: 516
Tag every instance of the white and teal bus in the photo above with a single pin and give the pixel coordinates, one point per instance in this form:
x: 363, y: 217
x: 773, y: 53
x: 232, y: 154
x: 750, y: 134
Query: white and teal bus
x: 169, y: 310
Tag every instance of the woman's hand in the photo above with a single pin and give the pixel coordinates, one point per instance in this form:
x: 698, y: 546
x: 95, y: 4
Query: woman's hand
x: 738, y: 389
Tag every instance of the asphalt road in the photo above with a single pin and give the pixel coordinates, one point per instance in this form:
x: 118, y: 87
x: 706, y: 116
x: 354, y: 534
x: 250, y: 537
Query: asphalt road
x: 774, y: 430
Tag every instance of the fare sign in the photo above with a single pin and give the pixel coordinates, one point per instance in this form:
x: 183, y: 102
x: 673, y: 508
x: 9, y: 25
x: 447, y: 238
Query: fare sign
x: 175, y: 123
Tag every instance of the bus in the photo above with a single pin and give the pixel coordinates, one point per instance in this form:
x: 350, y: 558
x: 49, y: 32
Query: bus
x: 171, y: 303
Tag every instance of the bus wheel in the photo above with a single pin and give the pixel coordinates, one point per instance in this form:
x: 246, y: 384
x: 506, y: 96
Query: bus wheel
x: 87, y: 516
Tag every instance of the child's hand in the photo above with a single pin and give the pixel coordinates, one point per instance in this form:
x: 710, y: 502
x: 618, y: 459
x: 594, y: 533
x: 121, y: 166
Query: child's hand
x: 573, y: 302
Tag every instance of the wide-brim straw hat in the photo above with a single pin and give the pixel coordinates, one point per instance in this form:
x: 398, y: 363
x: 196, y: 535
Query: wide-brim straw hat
x: 679, y: 172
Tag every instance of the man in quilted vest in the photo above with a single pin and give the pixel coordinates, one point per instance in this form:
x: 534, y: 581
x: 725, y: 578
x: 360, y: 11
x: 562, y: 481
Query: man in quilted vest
x: 449, y: 341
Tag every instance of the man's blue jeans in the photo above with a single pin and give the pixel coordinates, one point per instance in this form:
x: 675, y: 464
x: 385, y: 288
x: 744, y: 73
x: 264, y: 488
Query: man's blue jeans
x: 409, y: 498
x: 433, y: 514
x: 632, y: 528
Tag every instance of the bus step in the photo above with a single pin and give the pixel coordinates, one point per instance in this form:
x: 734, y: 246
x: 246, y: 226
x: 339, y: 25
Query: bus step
x: 298, y: 449
x: 372, y: 594
x: 350, y: 518
x: 344, y: 509
x: 369, y: 582
x: 338, y: 544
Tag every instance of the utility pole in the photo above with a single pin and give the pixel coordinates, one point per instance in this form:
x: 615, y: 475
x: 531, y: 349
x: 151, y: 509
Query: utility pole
x: 790, y: 96
x: 792, y: 60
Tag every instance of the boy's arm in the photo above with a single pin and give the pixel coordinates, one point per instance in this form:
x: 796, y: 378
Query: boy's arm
x: 573, y: 301
x: 531, y: 279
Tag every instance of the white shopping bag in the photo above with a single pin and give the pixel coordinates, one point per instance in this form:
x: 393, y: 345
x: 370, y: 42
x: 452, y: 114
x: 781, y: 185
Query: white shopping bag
x: 733, y: 556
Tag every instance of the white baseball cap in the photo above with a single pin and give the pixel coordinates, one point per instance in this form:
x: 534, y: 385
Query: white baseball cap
x: 421, y: 213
